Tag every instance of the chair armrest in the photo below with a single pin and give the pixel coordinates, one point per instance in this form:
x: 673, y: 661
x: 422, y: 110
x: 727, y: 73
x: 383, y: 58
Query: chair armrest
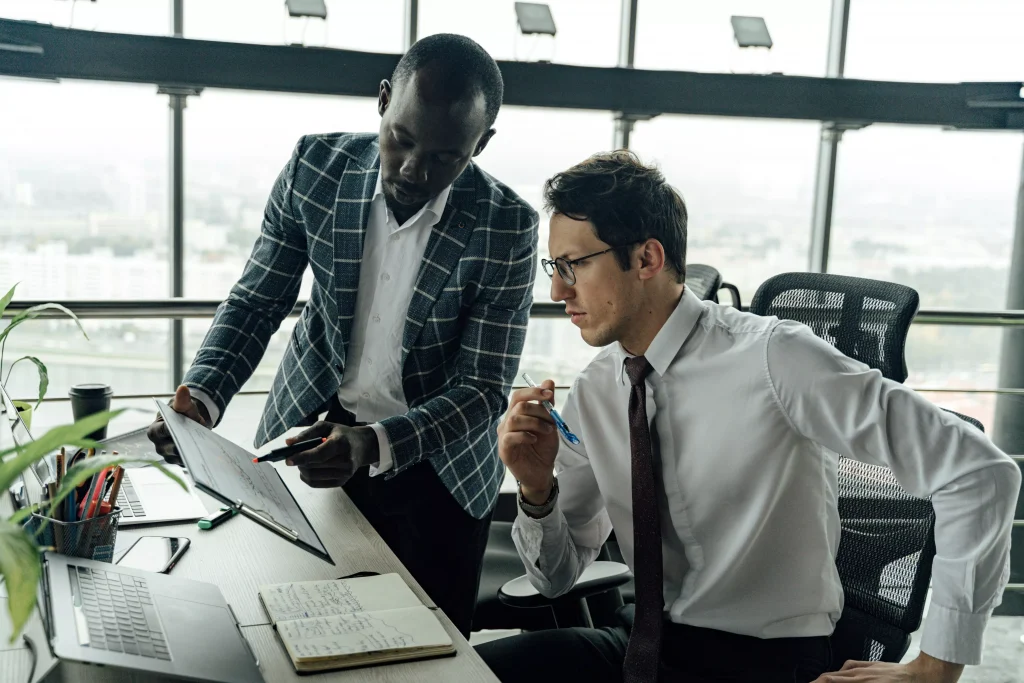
x: 597, y: 578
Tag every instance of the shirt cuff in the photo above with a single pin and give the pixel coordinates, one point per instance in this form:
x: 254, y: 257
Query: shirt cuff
x: 208, y: 403
x: 954, y: 636
x: 387, y: 461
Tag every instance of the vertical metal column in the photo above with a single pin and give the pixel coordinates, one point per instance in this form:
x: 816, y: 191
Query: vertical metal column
x: 1008, y: 431
x: 627, y: 51
x: 828, y: 148
x: 412, y: 22
x: 177, y: 104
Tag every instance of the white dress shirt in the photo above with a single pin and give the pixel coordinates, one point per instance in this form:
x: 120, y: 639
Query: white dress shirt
x: 750, y: 414
x: 371, y: 388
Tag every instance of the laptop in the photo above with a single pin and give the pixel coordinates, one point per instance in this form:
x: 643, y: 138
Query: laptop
x: 147, y: 496
x: 107, y: 615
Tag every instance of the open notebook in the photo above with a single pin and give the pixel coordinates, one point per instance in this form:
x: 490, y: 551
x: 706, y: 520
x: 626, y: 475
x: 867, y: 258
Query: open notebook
x: 353, y: 622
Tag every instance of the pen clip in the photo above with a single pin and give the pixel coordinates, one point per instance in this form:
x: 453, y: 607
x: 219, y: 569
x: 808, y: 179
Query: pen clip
x: 260, y: 518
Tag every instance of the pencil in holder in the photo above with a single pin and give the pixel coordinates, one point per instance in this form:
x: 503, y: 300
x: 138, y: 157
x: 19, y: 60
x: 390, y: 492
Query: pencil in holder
x: 92, y: 539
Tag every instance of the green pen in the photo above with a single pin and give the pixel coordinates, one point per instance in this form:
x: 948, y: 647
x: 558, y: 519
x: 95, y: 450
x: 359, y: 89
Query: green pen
x: 213, y: 520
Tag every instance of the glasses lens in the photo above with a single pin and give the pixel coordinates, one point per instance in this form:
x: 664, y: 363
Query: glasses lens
x: 565, y: 270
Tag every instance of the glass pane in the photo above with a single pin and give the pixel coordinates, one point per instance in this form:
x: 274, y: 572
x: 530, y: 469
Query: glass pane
x: 953, y: 356
x: 748, y: 186
x: 556, y: 139
x: 554, y: 350
x: 930, y: 209
x: 84, y: 190
x: 236, y: 143
x: 587, y: 31
x: 145, y: 17
x: 367, y: 26
x: 935, y: 40
x: 692, y: 35
x: 132, y: 356
x: 263, y: 377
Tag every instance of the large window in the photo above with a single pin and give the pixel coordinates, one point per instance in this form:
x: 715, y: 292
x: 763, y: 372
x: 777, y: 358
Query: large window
x: 587, y: 30
x: 236, y: 144
x: 748, y: 186
x: 132, y: 356
x: 695, y: 35
x: 935, y: 40
x: 83, y: 190
x: 367, y: 26
x: 928, y: 208
x: 146, y: 17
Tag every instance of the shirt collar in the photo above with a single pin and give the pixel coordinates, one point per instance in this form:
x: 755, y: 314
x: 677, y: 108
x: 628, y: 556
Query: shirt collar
x: 434, y: 206
x: 666, y: 344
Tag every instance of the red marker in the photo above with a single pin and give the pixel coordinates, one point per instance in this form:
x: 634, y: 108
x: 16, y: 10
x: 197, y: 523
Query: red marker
x: 279, y: 454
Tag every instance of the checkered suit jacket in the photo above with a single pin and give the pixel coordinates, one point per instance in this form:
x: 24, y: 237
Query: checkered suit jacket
x: 464, y: 329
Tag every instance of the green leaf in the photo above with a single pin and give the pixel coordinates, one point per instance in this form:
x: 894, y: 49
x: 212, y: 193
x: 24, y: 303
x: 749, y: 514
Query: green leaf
x: 44, y: 376
x: 19, y: 565
x: 65, y: 435
x: 7, y: 299
x: 34, y: 312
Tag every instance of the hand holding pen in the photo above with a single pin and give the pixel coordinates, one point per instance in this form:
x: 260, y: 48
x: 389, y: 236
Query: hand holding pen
x: 563, y: 428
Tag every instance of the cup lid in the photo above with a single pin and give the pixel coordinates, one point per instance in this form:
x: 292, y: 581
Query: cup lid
x: 90, y: 390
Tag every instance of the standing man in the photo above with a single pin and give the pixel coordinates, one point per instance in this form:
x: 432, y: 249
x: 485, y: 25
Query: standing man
x: 709, y: 441
x: 423, y: 269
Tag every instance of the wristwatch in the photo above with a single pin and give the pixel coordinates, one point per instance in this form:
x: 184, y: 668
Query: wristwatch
x: 538, y: 511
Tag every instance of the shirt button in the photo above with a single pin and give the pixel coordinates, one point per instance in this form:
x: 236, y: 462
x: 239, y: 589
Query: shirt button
x: 394, y: 238
x: 376, y: 318
x: 369, y: 361
x: 366, y: 395
x: 386, y: 277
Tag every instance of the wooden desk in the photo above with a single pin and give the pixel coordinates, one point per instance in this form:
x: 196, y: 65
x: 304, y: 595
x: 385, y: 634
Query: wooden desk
x: 239, y: 555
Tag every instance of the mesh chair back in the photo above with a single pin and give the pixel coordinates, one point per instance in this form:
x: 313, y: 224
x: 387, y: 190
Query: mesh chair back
x: 887, y: 542
x: 704, y: 281
x: 867, y: 320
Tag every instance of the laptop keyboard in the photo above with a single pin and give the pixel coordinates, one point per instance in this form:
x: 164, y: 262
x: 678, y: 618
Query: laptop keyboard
x: 128, y: 499
x: 119, y: 613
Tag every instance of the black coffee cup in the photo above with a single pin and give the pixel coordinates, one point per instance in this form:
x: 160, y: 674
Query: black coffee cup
x: 89, y: 399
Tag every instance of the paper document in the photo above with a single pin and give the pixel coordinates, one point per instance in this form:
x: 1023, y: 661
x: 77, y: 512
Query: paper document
x: 226, y: 470
x: 325, y: 598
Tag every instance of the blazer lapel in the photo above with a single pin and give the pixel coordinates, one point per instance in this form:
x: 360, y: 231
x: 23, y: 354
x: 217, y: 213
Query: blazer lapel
x: 447, y: 241
x: 351, y: 212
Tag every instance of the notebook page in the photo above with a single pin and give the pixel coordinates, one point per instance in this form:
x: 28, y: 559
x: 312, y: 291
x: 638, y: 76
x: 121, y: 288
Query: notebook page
x: 364, y: 632
x: 305, y: 599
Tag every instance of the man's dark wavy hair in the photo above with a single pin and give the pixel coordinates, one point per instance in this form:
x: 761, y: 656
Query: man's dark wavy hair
x: 627, y: 201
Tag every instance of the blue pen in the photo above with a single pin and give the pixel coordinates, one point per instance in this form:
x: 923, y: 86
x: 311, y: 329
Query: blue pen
x: 562, y: 427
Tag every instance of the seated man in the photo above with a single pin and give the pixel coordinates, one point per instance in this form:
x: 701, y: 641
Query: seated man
x: 708, y: 442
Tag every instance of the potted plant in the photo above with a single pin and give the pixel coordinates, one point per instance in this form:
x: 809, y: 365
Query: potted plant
x: 19, y: 552
x: 25, y: 409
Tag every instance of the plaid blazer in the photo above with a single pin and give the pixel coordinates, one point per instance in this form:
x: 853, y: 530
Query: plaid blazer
x: 464, y: 329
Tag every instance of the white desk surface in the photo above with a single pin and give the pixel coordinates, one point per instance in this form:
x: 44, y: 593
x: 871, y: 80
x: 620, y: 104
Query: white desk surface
x: 239, y: 555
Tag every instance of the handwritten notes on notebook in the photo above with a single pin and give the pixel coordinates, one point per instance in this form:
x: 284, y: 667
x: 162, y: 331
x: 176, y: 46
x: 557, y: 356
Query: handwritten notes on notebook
x: 353, y: 622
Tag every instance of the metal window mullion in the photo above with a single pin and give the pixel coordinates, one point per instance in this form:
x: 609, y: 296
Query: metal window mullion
x: 828, y: 148
x: 177, y: 225
x: 627, y: 51
x: 412, y: 23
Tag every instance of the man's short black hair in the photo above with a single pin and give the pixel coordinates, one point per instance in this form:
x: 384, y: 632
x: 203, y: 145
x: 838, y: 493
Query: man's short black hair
x: 627, y: 201
x: 467, y: 62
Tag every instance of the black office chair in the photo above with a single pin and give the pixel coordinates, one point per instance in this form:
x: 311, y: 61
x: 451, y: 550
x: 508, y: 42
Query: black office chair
x: 887, y: 540
x: 705, y: 282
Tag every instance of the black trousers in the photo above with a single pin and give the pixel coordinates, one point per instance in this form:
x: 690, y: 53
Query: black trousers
x: 440, y: 544
x: 688, y: 655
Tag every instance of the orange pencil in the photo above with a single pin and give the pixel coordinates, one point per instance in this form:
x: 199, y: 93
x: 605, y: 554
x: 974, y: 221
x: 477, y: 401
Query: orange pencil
x: 115, y: 488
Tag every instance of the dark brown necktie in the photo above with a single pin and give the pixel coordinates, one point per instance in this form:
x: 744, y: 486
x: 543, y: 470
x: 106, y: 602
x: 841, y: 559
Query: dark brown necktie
x: 643, y: 650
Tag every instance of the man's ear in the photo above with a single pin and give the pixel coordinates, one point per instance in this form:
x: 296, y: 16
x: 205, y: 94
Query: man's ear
x: 383, y: 97
x: 484, y: 139
x: 652, y: 259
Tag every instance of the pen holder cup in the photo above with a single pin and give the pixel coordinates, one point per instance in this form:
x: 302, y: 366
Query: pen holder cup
x: 92, y: 539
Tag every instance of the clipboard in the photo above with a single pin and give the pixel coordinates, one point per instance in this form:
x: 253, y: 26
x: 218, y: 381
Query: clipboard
x: 225, y: 470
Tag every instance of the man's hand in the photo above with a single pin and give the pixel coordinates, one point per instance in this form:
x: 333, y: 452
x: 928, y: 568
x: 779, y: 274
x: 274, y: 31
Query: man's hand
x: 528, y: 441
x: 924, y: 669
x: 160, y: 436
x: 333, y: 462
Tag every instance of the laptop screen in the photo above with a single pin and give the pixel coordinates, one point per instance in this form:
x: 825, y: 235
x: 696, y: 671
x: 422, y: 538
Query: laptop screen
x: 16, y: 433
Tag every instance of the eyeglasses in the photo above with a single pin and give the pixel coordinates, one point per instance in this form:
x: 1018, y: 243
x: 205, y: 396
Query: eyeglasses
x: 564, y: 266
